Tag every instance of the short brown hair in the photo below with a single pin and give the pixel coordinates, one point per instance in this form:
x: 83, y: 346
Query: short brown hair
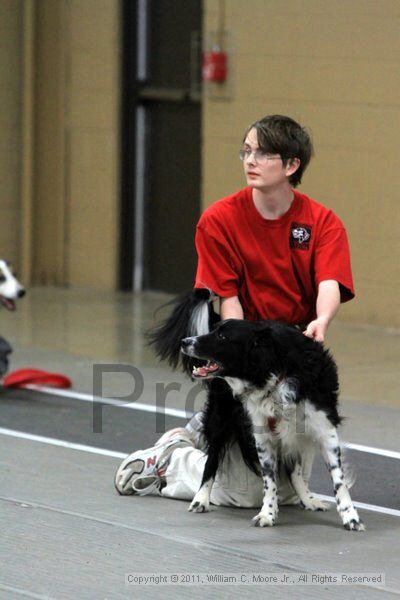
x: 277, y: 134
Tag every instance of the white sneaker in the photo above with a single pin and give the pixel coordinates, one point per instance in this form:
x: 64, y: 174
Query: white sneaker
x: 143, y: 471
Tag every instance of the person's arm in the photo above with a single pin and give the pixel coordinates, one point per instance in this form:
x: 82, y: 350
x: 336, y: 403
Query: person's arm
x: 328, y: 302
x: 217, y: 266
x: 230, y: 308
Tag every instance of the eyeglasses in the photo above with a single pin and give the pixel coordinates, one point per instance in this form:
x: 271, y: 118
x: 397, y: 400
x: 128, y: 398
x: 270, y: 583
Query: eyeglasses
x: 259, y: 155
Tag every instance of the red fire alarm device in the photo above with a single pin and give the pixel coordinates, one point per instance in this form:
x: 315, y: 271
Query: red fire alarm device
x: 215, y: 65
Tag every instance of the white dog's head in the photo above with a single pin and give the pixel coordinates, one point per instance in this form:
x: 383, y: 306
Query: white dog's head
x: 10, y: 287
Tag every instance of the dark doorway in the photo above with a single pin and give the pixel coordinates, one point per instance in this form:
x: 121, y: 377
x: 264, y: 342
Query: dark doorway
x: 160, y: 144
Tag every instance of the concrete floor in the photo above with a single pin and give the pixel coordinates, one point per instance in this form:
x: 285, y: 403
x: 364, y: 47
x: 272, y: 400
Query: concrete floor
x: 67, y: 534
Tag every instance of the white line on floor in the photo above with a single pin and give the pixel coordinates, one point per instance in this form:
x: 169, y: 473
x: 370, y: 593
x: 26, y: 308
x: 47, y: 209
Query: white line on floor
x: 64, y: 444
x: 24, y: 593
x: 172, y: 412
x: 379, y: 509
x: 104, y: 452
x: 370, y: 450
x: 175, y: 412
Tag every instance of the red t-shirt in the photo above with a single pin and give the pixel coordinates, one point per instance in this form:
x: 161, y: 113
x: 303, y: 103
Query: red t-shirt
x: 273, y: 266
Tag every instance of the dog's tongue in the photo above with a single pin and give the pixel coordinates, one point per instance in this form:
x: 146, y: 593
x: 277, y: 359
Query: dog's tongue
x: 9, y: 304
x: 210, y: 367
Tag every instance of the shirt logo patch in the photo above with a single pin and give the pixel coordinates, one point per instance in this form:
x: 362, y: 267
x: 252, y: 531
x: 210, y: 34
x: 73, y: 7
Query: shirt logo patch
x: 300, y: 236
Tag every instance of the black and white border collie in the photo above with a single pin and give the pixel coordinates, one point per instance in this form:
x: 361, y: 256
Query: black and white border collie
x: 270, y: 389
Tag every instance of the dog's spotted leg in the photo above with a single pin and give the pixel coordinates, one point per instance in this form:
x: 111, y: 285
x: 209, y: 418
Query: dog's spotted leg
x: 201, y: 501
x: 307, y: 498
x: 307, y: 459
x: 267, y: 456
x: 345, y: 507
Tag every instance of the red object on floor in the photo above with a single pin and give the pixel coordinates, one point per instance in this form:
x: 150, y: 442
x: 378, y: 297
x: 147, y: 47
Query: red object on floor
x: 24, y: 377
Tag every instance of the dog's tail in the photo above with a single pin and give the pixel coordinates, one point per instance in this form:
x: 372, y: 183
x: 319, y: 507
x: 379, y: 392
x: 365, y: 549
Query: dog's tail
x: 192, y: 314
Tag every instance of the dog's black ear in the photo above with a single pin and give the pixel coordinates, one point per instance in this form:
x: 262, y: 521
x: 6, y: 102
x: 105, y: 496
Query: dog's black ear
x: 261, y: 353
x: 262, y: 337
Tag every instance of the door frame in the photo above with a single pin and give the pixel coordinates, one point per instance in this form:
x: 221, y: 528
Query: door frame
x: 129, y: 95
x: 135, y: 125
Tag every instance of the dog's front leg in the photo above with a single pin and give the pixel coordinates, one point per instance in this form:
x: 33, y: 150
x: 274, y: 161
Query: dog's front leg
x: 267, y: 456
x: 201, y: 501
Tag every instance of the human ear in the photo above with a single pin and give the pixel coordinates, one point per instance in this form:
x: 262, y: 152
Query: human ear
x: 292, y: 165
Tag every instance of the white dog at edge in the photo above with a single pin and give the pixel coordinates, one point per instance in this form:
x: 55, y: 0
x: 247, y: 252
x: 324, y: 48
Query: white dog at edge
x: 10, y: 288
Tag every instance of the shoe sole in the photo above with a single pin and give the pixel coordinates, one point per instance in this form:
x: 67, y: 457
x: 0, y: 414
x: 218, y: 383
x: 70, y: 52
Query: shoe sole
x: 136, y: 468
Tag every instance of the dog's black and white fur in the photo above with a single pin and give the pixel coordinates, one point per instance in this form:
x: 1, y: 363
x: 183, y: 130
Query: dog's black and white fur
x: 270, y: 389
x: 10, y: 288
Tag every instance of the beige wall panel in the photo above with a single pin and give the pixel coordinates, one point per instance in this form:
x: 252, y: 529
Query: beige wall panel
x: 341, y: 125
x: 229, y: 119
x: 76, y: 98
x: 372, y: 128
x: 92, y: 162
x: 10, y: 19
x: 92, y: 226
x: 275, y: 28
x: 89, y: 70
x: 93, y: 23
x: 374, y: 8
x: 360, y: 82
x: 10, y: 161
x: 9, y: 232
x: 375, y: 304
x: 92, y: 108
x: 10, y: 124
x: 334, y: 66
x: 10, y: 99
x: 10, y: 59
x: 360, y: 185
x: 228, y: 173
x: 377, y: 8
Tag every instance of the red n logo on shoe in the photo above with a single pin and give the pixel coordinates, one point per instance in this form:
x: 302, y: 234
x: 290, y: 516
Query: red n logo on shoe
x: 151, y: 461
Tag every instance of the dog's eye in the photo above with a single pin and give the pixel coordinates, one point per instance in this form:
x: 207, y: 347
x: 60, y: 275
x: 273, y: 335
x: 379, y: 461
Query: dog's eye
x: 2, y: 279
x: 221, y: 336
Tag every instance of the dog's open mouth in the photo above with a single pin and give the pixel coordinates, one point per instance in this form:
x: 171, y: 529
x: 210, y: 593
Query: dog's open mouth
x: 7, y: 303
x: 209, y: 370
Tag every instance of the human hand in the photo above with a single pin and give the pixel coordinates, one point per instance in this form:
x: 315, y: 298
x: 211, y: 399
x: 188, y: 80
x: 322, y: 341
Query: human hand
x: 317, y: 328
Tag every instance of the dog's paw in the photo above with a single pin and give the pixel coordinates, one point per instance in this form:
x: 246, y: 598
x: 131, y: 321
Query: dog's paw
x: 314, y: 504
x: 264, y: 519
x: 351, y: 520
x: 354, y: 525
x: 199, y: 507
x: 200, y: 503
